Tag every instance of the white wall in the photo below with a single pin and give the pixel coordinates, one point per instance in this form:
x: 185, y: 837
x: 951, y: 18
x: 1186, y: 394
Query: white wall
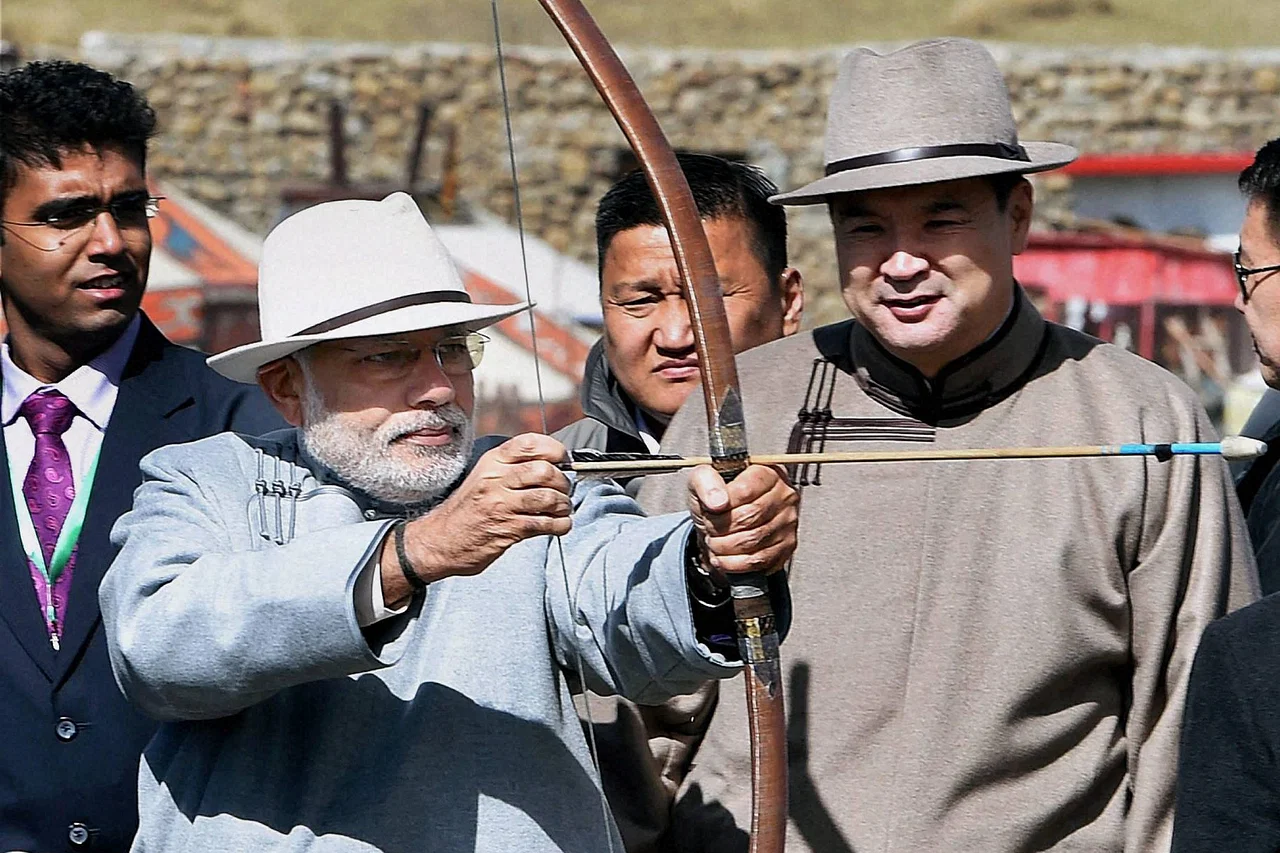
x: 510, y: 367
x: 1210, y: 204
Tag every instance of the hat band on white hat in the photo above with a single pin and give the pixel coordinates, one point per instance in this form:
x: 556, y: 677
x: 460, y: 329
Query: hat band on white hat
x: 998, y: 150
x: 383, y: 307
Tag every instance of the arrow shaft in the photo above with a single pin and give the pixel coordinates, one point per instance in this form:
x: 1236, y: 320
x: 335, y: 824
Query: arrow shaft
x: 669, y: 464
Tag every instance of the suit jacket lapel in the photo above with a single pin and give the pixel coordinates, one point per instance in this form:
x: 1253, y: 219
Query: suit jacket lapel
x: 149, y: 392
x: 19, y: 607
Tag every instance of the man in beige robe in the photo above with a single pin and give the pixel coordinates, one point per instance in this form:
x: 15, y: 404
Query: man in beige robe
x: 987, y: 655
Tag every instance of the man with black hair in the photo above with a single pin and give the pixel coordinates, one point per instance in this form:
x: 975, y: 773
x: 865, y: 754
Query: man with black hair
x: 1228, y: 778
x: 993, y: 655
x: 636, y: 377
x: 645, y: 364
x: 1257, y: 264
x: 89, y: 386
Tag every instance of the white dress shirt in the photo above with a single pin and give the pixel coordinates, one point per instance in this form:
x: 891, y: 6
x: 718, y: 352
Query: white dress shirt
x: 370, y: 605
x: 642, y: 427
x: 93, y: 388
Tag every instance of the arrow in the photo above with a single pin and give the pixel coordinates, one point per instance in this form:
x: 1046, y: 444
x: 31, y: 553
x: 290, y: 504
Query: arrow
x: 1231, y: 448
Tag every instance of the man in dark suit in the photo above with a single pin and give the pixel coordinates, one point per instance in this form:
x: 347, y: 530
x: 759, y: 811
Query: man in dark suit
x: 1228, y: 769
x: 89, y: 386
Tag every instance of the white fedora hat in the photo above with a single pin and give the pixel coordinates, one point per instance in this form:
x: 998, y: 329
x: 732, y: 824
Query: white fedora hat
x: 353, y: 269
x: 932, y: 111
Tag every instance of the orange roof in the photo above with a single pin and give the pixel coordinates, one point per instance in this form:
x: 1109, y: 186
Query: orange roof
x: 556, y: 345
x: 179, y: 233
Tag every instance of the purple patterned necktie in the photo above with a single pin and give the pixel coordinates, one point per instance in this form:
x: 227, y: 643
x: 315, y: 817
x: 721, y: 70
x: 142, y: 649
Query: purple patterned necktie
x: 49, y: 490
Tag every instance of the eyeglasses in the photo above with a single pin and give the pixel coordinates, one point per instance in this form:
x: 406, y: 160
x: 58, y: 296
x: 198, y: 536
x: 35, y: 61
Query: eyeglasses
x: 1243, y: 273
x: 76, y: 222
x: 457, y: 355
x: 460, y: 355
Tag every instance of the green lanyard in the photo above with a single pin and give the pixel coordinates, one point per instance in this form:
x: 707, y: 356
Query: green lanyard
x: 67, y: 537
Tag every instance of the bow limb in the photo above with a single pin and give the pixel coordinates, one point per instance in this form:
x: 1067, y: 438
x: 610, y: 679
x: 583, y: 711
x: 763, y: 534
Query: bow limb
x: 757, y: 635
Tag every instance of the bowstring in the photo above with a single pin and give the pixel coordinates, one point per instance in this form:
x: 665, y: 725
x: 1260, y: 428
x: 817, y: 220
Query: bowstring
x: 542, y: 412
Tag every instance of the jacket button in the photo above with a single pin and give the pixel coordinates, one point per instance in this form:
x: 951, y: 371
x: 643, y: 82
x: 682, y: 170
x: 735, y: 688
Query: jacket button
x: 78, y: 834
x: 370, y: 514
x: 66, y: 730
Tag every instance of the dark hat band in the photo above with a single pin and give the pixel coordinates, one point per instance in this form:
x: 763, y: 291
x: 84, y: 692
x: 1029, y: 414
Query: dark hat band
x: 999, y: 150
x: 382, y: 308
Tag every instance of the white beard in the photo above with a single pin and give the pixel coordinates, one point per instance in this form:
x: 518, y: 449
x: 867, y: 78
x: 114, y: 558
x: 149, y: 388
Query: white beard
x: 366, y: 459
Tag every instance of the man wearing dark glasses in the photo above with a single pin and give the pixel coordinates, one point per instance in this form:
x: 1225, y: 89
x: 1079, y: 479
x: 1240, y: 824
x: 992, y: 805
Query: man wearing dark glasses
x: 87, y: 387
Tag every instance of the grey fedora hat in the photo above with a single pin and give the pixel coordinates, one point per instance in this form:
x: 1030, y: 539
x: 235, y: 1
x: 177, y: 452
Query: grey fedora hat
x: 932, y: 111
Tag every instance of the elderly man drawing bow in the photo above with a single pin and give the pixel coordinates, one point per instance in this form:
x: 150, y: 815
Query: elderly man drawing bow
x: 357, y: 631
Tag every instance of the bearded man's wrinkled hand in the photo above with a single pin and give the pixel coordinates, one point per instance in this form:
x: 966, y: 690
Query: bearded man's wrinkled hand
x: 514, y: 492
x: 745, y: 525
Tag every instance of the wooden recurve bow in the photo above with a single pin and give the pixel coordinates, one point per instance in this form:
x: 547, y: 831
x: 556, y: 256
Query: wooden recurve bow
x: 757, y: 634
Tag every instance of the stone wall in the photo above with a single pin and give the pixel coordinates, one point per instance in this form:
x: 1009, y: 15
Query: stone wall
x: 241, y: 118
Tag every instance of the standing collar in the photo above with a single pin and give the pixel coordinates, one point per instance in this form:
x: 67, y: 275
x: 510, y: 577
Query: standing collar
x: 91, y: 387
x: 982, y: 377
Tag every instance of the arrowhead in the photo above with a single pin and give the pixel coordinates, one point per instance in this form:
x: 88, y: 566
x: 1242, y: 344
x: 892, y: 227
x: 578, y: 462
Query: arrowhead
x: 1242, y: 447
